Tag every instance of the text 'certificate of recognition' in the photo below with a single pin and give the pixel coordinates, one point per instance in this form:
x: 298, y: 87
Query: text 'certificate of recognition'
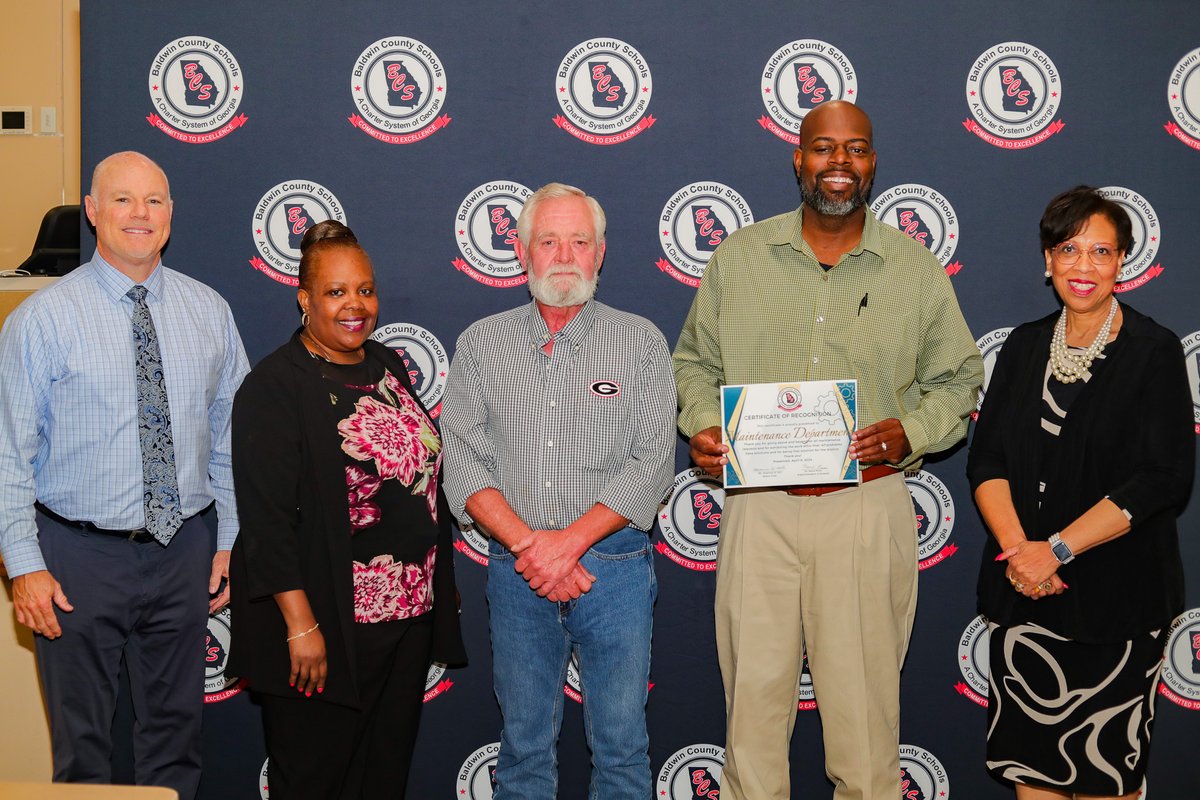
x: 788, y: 434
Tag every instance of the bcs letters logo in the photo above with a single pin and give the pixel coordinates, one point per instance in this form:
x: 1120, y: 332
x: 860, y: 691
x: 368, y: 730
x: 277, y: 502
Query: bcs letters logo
x: 934, y: 509
x: 690, y: 520
x: 922, y: 776
x: 218, y: 684
x: 280, y: 219
x: 603, y: 87
x: 477, y: 776
x: 1013, y: 92
x: 989, y: 347
x: 693, y: 223
x: 1180, y: 682
x: 196, y: 85
x: 797, y: 78
x: 485, y: 227
x: 973, y: 661
x: 1191, y: 355
x: 399, y: 86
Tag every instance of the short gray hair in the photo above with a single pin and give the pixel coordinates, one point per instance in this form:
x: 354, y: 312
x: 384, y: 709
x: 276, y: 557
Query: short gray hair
x: 556, y: 190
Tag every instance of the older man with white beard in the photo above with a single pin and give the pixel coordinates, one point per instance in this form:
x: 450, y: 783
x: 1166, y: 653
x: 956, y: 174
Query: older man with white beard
x: 558, y: 426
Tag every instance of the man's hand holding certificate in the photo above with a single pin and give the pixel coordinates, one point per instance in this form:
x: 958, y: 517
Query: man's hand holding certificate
x: 787, y: 434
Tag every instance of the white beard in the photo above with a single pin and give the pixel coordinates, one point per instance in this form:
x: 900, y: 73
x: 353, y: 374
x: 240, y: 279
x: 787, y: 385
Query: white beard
x: 557, y: 290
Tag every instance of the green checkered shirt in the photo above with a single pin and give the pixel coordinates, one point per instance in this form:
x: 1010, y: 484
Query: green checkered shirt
x: 885, y: 315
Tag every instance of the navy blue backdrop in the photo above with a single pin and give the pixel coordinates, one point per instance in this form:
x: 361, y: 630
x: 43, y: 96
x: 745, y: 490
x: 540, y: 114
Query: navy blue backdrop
x: 424, y: 126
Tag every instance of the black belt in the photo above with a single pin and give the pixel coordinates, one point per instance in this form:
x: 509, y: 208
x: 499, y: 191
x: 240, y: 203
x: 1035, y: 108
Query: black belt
x: 137, y: 535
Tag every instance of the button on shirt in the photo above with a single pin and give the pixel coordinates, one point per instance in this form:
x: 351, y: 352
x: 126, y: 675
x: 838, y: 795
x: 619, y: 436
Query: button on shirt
x: 885, y: 315
x: 69, y: 427
x: 591, y: 422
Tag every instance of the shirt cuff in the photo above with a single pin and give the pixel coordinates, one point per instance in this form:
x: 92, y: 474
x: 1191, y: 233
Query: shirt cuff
x: 23, y: 557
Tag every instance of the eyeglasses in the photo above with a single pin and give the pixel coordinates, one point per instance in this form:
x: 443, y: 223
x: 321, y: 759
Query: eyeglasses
x: 1069, y: 253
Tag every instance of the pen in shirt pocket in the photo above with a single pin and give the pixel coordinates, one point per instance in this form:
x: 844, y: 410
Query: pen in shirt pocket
x: 862, y: 304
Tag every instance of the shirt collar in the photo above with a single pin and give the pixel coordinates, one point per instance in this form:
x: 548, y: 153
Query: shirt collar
x: 793, y: 235
x: 116, y: 284
x: 575, y: 331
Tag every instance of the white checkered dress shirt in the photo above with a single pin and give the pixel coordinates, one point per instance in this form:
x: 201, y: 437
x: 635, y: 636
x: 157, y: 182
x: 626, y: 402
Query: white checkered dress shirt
x: 593, y: 422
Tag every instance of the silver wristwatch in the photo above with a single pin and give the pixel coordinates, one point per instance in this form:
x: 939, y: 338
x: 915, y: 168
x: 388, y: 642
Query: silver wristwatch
x: 1060, y: 549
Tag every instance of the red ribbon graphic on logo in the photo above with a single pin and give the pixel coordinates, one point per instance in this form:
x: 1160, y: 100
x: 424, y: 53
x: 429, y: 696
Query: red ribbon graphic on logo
x: 938, y: 557
x: 787, y: 136
x: 399, y: 138
x: 486, y: 280
x: 1013, y: 144
x: 1178, y: 133
x: 270, y: 272
x: 1145, y: 277
x: 643, y: 124
x: 970, y: 694
x: 470, y: 553
x: 442, y: 686
x: 676, y: 273
x: 1191, y: 705
x: 225, y: 694
x: 953, y: 267
x: 698, y: 566
x: 197, y: 138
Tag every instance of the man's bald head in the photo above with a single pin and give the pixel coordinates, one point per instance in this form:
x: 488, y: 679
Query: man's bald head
x: 841, y: 111
x: 124, y: 158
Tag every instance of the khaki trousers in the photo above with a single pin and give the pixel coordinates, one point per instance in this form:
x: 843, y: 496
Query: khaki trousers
x: 836, y: 573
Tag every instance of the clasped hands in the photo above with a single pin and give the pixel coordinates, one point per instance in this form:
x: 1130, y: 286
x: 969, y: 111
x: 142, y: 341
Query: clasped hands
x: 1032, y: 569
x: 549, y: 561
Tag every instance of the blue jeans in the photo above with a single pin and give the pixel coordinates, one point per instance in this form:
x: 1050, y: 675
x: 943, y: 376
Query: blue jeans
x: 532, y: 641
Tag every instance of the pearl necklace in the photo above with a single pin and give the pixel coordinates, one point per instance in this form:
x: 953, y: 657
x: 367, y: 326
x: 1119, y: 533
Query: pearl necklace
x: 1067, y: 366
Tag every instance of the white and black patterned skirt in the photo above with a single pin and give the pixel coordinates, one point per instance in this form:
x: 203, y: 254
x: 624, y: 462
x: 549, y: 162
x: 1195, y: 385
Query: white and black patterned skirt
x: 1069, y: 715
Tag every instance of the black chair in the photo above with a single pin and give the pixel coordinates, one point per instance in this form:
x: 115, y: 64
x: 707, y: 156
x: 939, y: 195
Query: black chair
x: 56, y: 250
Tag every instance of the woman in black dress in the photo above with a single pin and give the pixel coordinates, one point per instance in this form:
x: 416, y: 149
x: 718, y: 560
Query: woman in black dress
x: 1081, y: 460
x: 342, y: 575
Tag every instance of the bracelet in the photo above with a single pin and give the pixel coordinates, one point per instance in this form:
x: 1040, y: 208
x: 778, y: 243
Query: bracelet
x: 306, y: 633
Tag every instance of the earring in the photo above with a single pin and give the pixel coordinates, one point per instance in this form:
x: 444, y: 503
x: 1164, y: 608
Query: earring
x: 304, y: 317
x: 1046, y: 273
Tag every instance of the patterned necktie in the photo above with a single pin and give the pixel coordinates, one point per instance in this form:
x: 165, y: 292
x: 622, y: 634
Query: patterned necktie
x: 160, y: 489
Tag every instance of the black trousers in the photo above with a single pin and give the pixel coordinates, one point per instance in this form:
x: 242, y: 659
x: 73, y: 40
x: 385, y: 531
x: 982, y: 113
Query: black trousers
x: 148, y: 604
x: 323, y: 751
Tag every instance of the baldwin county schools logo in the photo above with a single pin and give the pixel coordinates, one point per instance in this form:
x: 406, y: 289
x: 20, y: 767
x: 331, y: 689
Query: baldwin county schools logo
x: 264, y: 791
x: 922, y: 776
x: 280, y: 220
x: 797, y: 78
x: 399, y: 86
x: 973, y: 661
x: 1139, y: 266
x: 434, y: 683
x: 425, y: 358
x: 690, y: 520
x: 1013, y: 92
x: 691, y: 773
x: 934, y: 509
x: 1191, y: 354
x: 218, y: 684
x: 603, y: 87
x: 989, y: 347
x: 1183, y: 98
x: 1180, y: 679
x: 477, y: 775
x: 693, y: 224
x: 485, y: 228
x: 924, y: 215
x: 196, y: 85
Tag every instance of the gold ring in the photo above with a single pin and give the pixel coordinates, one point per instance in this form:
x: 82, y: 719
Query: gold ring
x: 1045, y: 587
x: 1012, y: 580
x: 1020, y: 587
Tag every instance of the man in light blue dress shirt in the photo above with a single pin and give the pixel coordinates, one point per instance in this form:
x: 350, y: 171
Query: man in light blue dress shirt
x: 88, y: 578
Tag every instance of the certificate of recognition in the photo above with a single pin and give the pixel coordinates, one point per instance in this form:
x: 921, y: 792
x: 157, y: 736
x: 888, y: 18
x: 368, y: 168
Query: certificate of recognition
x: 786, y: 434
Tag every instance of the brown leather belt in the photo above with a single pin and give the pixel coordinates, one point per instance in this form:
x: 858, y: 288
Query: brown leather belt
x: 868, y: 474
